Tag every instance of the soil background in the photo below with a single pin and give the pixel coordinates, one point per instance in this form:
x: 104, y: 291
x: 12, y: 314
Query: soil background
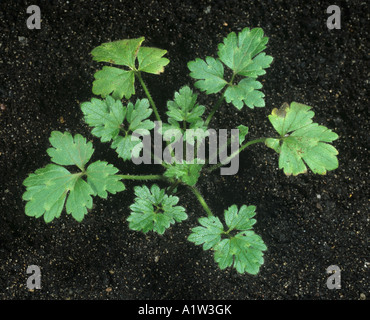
x: 308, y: 222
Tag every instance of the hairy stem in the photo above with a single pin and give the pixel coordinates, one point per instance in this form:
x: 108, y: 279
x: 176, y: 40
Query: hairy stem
x: 173, y: 186
x: 229, y: 158
x: 151, y: 101
x: 219, y: 102
x: 141, y: 177
x: 201, y: 200
x: 215, y: 108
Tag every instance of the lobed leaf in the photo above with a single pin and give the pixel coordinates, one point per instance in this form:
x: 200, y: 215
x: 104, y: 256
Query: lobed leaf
x: 301, y: 141
x: 153, y: 210
x: 102, y: 178
x: 245, y: 92
x: 105, y: 116
x: 122, y: 124
x: 184, y: 118
x: 121, y: 82
x: 51, y: 188
x: 243, y: 251
x: 121, y: 52
x: 187, y: 172
x: 47, y: 191
x: 151, y: 60
x: 208, y: 234
x: 240, y: 219
x: 210, y: 74
x: 257, y: 66
x: 242, y: 53
x: 184, y: 106
x: 129, y: 145
x: 111, y: 80
x: 68, y: 150
x: 238, y: 51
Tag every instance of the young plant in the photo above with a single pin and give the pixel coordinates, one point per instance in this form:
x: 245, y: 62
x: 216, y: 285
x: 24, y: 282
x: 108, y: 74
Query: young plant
x: 70, y: 182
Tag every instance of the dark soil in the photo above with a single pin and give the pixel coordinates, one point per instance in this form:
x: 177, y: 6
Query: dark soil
x: 308, y: 222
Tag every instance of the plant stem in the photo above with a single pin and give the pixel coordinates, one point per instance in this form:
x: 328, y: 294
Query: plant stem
x: 218, y: 103
x: 201, y: 200
x: 173, y: 186
x: 151, y: 101
x: 216, y: 106
x: 141, y: 177
x: 228, y: 159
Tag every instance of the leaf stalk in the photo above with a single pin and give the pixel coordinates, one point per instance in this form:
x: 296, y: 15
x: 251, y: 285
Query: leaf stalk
x: 151, y: 101
x: 201, y: 200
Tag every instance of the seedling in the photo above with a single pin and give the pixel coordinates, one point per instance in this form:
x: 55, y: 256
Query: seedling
x: 71, y: 181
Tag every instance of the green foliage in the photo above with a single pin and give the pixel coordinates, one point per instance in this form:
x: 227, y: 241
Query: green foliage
x: 105, y: 116
x: 153, y: 210
x: 245, y: 92
x: 119, y: 82
x: 187, y: 172
x: 243, y: 131
x: 210, y: 74
x: 112, y: 121
x: 242, y: 54
x: 184, y: 114
x: 70, y: 182
x: 301, y: 139
x: 184, y: 106
x: 121, y: 52
x: 49, y: 188
x: 242, y: 250
x: 102, y: 178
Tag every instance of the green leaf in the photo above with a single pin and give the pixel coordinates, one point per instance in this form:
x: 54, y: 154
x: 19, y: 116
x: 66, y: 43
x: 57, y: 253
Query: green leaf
x: 113, y: 121
x: 137, y: 114
x: 102, y: 177
x: 301, y: 141
x: 187, y: 172
x: 127, y: 147
x: 153, y: 210
x: 121, y: 52
x: 67, y: 150
x: 106, y: 116
x: 243, y: 251
x: 242, y: 219
x: 243, y: 131
x: 245, y: 92
x: 257, y: 66
x: 52, y: 187
x: 184, y: 106
x: 119, y: 82
x: 210, y: 74
x: 208, y: 234
x: 136, y: 122
x: 151, y: 60
x: 116, y: 81
x: 47, y: 191
x: 242, y: 53
x: 79, y: 200
x: 185, y: 110
x: 238, y: 51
